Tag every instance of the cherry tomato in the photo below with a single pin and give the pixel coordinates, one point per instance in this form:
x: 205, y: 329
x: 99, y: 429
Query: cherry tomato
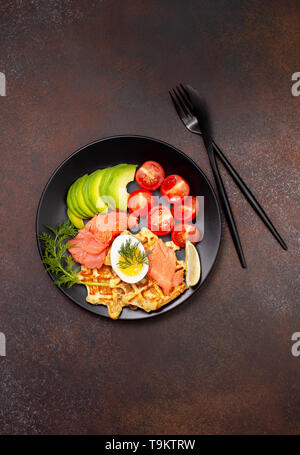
x: 160, y: 220
x: 184, y: 232
x: 150, y: 175
x: 187, y: 209
x: 174, y: 188
x: 140, y: 202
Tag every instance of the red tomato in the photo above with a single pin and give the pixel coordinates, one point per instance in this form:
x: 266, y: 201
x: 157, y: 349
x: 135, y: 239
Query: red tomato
x: 174, y: 188
x: 140, y: 202
x: 184, y: 232
x: 160, y: 220
x: 187, y: 209
x: 150, y: 175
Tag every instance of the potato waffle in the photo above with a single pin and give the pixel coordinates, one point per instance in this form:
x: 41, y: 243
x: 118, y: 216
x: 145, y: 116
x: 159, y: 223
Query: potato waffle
x: 145, y: 294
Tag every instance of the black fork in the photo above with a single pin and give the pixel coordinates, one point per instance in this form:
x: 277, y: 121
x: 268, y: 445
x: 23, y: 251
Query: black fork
x: 185, y: 111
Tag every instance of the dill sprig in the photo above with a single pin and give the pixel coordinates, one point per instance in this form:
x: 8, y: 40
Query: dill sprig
x: 131, y: 255
x: 56, y: 257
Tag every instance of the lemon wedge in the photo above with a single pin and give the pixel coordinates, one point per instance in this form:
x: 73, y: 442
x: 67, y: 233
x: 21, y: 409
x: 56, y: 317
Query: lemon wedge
x: 193, y: 264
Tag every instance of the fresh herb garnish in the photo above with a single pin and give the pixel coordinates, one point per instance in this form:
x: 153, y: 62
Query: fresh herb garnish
x: 131, y: 255
x: 57, y: 259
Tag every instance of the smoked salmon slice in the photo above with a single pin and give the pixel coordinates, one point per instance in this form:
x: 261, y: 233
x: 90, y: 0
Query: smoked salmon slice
x: 95, y: 261
x: 89, y: 260
x: 178, y: 278
x: 91, y: 244
x: 78, y: 254
x: 115, y: 222
x: 103, y: 236
x: 162, y: 265
x: 88, y: 242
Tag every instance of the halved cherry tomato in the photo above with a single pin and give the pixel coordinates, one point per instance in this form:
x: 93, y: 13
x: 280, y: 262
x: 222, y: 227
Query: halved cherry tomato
x: 187, y: 209
x: 160, y: 220
x: 174, y: 188
x: 150, y: 175
x: 140, y: 202
x: 184, y: 232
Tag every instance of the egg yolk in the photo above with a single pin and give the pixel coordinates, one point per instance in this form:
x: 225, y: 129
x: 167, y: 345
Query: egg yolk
x: 130, y: 270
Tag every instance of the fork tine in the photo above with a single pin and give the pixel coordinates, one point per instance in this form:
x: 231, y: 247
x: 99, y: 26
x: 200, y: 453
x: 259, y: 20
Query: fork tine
x: 185, y: 95
x: 177, y: 106
x: 181, y: 102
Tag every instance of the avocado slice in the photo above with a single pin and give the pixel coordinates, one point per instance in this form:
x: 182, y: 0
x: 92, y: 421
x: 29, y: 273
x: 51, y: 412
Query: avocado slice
x: 86, y: 197
x: 75, y: 200
x: 78, y: 222
x: 120, y: 177
x: 70, y: 203
x: 106, y: 182
x: 93, y: 190
x: 80, y: 199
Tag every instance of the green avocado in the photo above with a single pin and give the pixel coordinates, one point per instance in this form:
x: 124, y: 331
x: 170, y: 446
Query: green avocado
x: 75, y: 201
x: 80, y: 199
x: 86, y: 196
x: 119, y: 179
x: 70, y: 203
x: 106, y: 182
x: 78, y: 222
x: 93, y: 190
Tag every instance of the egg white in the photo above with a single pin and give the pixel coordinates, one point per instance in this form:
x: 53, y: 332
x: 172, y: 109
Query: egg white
x: 115, y: 257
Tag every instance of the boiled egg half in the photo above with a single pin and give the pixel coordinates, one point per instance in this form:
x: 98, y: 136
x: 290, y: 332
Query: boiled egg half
x: 128, y: 258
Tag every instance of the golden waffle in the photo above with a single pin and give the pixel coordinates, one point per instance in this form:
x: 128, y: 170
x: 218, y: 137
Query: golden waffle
x: 145, y: 294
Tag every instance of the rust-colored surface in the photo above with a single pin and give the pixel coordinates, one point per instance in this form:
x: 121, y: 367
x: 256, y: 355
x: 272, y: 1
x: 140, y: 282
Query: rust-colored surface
x: 221, y: 363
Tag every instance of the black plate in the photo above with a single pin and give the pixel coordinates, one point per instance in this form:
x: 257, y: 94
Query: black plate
x: 131, y: 149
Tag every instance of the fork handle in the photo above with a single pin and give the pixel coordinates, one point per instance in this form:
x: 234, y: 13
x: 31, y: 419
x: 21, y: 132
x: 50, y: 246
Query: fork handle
x: 225, y: 203
x: 249, y: 196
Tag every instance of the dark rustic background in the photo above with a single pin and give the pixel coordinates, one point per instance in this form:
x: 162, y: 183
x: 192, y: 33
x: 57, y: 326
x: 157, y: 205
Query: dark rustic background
x: 81, y: 70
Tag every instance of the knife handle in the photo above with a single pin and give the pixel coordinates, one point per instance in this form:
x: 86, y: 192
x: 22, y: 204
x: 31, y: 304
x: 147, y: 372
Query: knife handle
x: 249, y: 195
x: 226, y: 206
